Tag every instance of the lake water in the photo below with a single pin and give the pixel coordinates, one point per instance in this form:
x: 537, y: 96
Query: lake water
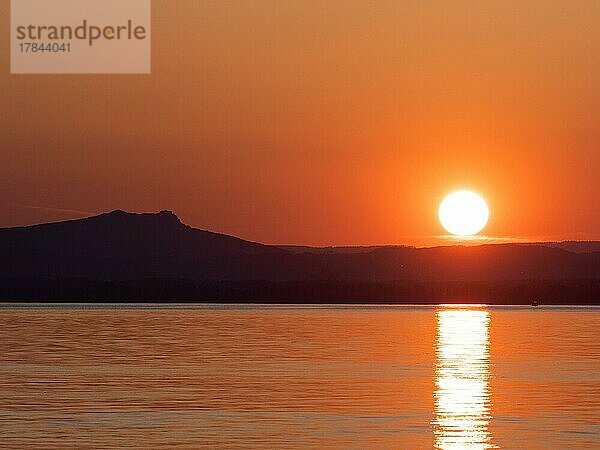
x: 290, y: 377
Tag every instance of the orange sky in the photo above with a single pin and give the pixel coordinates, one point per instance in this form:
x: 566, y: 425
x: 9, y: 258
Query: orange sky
x: 335, y: 122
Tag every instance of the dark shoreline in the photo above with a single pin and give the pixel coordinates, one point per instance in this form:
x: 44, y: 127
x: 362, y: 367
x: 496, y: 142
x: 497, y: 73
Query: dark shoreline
x: 200, y: 306
x: 124, y: 257
x: 518, y: 292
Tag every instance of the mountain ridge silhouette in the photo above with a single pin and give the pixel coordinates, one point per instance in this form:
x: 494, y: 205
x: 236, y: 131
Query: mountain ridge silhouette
x: 119, y: 247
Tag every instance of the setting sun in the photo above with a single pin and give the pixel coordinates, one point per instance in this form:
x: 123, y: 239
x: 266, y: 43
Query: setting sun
x: 464, y: 213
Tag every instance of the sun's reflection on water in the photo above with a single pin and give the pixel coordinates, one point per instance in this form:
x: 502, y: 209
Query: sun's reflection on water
x: 462, y: 394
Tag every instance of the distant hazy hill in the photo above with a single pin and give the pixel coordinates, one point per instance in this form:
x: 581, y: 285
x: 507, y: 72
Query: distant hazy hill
x: 575, y: 246
x: 120, y: 246
x: 297, y: 249
x: 571, y: 246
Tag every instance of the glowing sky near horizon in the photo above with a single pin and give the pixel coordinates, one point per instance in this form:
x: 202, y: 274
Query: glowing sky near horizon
x: 323, y: 123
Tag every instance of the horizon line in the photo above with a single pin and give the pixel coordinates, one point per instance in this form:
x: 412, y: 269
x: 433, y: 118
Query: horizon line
x: 446, y: 240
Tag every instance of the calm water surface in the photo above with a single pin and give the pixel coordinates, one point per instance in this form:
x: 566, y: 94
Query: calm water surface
x: 288, y: 377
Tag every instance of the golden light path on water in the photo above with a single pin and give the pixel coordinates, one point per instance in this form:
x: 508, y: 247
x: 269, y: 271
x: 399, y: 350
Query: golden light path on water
x: 462, y: 394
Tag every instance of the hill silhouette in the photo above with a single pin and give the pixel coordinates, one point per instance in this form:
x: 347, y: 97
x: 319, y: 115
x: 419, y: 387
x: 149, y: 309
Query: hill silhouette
x: 125, y: 256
